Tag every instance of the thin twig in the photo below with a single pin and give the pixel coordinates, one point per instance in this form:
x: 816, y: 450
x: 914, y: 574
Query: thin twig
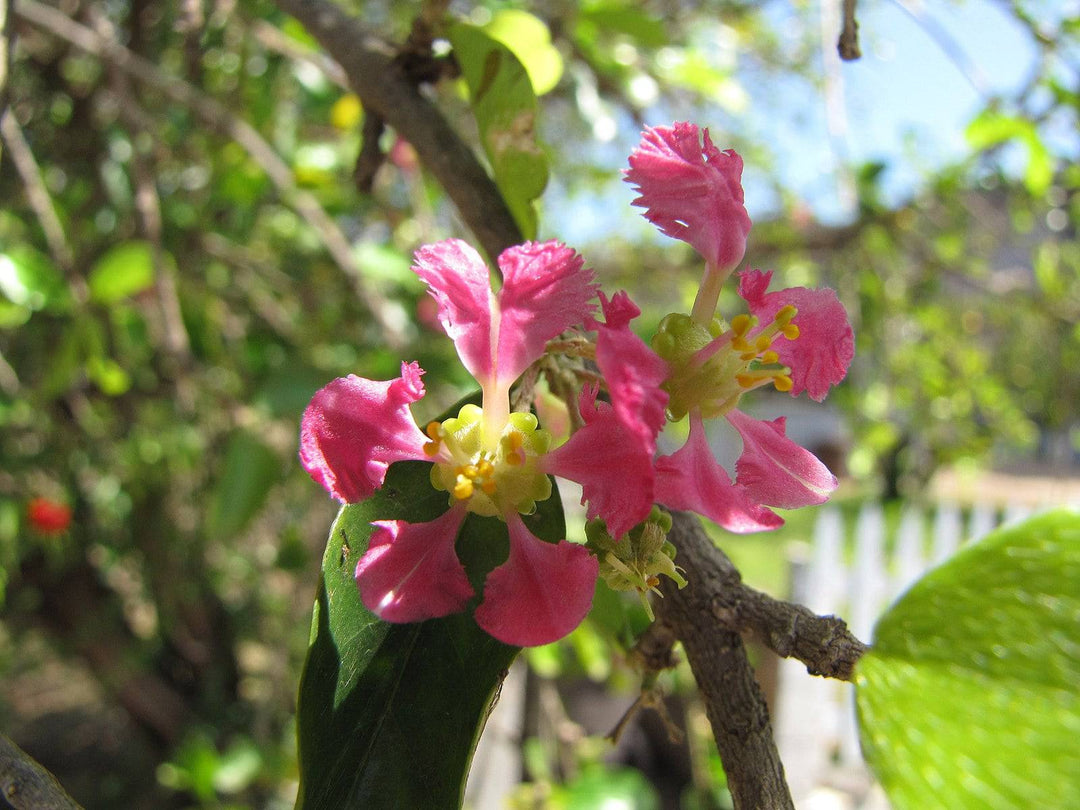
x: 220, y: 118
x: 36, y: 193
x: 848, y: 46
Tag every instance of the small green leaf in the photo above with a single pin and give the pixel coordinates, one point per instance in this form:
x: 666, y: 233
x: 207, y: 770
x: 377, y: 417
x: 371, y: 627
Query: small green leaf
x: 969, y: 697
x: 504, y: 106
x: 30, y: 280
x: 124, y: 270
x: 389, y: 714
x: 251, y: 469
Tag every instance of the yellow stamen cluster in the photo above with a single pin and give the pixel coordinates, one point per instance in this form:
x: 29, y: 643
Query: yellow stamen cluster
x: 490, y: 479
x: 711, y: 368
x: 469, y: 476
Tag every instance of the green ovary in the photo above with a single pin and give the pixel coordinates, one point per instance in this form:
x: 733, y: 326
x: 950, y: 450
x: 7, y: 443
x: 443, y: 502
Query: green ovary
x: 492, y: 482
x: 715, y: 385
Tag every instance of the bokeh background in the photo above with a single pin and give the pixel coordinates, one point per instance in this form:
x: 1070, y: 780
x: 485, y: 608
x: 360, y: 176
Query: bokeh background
x: 186, y: 256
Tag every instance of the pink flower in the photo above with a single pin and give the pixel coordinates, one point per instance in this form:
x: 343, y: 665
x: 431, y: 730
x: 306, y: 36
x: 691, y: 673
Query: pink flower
x: 492, y: 462
x: 692, y: 191
x: 797, y: 340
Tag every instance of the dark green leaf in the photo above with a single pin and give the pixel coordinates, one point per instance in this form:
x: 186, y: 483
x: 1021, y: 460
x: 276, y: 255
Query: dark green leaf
x: 389, y: 714
x: 251, y: 468
x: 969, y: 697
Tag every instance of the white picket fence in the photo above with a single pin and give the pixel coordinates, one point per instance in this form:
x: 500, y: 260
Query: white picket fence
x: 846, y: 571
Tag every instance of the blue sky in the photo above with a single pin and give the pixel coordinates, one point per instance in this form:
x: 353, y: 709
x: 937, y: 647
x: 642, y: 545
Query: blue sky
x: 906, y: 104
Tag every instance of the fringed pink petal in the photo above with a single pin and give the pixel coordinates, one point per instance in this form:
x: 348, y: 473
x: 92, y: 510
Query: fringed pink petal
x: 692, y: 191
x: 461, y: 286
x: 353, y: 429
x: 692, y: 479
x: 612, y: 463
x: 775, y: 470
x: 410, y: 571
x: 546, y: 289
x: 820, y: 356
x: 633, y: 371
x: 541, y: 593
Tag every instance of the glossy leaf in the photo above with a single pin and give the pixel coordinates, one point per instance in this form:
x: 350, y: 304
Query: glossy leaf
x: 389, y: 714
x: 504, y: 105
x: 969, y: 697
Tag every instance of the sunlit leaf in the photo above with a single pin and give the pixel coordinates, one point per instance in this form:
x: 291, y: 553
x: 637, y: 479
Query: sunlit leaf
x: 530, y: 40
x: 969, y: 697
x: 30, y: 280
x: 124, y: 270
x: 504, y: 106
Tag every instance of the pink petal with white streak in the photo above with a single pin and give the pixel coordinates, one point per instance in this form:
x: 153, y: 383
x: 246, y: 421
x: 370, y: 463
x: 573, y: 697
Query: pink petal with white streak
x: 545, y: 290
x: 460, y: 283
x: 353, y: 429
x: 612, y: 463
x: 692, y: 479
x: 410, y: 571
x: 774, y: 469
x: 820, y: 356
x: 541, y: 593
x: 692, y: 191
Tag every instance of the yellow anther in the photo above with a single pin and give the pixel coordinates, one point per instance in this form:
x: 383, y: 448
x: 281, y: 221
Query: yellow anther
x: 432, y: 430
x: 791, y: 331
x: 770, y: 357
x: 485, y: 468
x: 783, y: 383
x: 488, y: 486
x: 741, y: 324
x: 652, y: 581
x: 747, y: 380
x: 463, y: 488
x: 784, y: 316
x: 747, y: 356
x: 740, y: 344
x: 763, y: 342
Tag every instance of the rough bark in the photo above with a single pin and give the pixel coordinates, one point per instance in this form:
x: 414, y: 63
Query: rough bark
x: 26, y: 785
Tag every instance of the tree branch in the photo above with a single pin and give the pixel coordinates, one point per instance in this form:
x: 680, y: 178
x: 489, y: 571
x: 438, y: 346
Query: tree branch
x: 734, y: 703
x: 26, y: 785
x: 385, y: 90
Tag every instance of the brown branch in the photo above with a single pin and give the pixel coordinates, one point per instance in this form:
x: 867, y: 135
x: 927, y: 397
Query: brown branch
x: 386, y: 91
x: 848, y: 46
x: 734, y: 703
x: 26, y: 785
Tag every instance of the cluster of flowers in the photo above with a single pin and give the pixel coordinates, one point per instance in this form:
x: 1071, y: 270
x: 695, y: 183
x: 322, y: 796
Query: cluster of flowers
x: 496, y: 463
